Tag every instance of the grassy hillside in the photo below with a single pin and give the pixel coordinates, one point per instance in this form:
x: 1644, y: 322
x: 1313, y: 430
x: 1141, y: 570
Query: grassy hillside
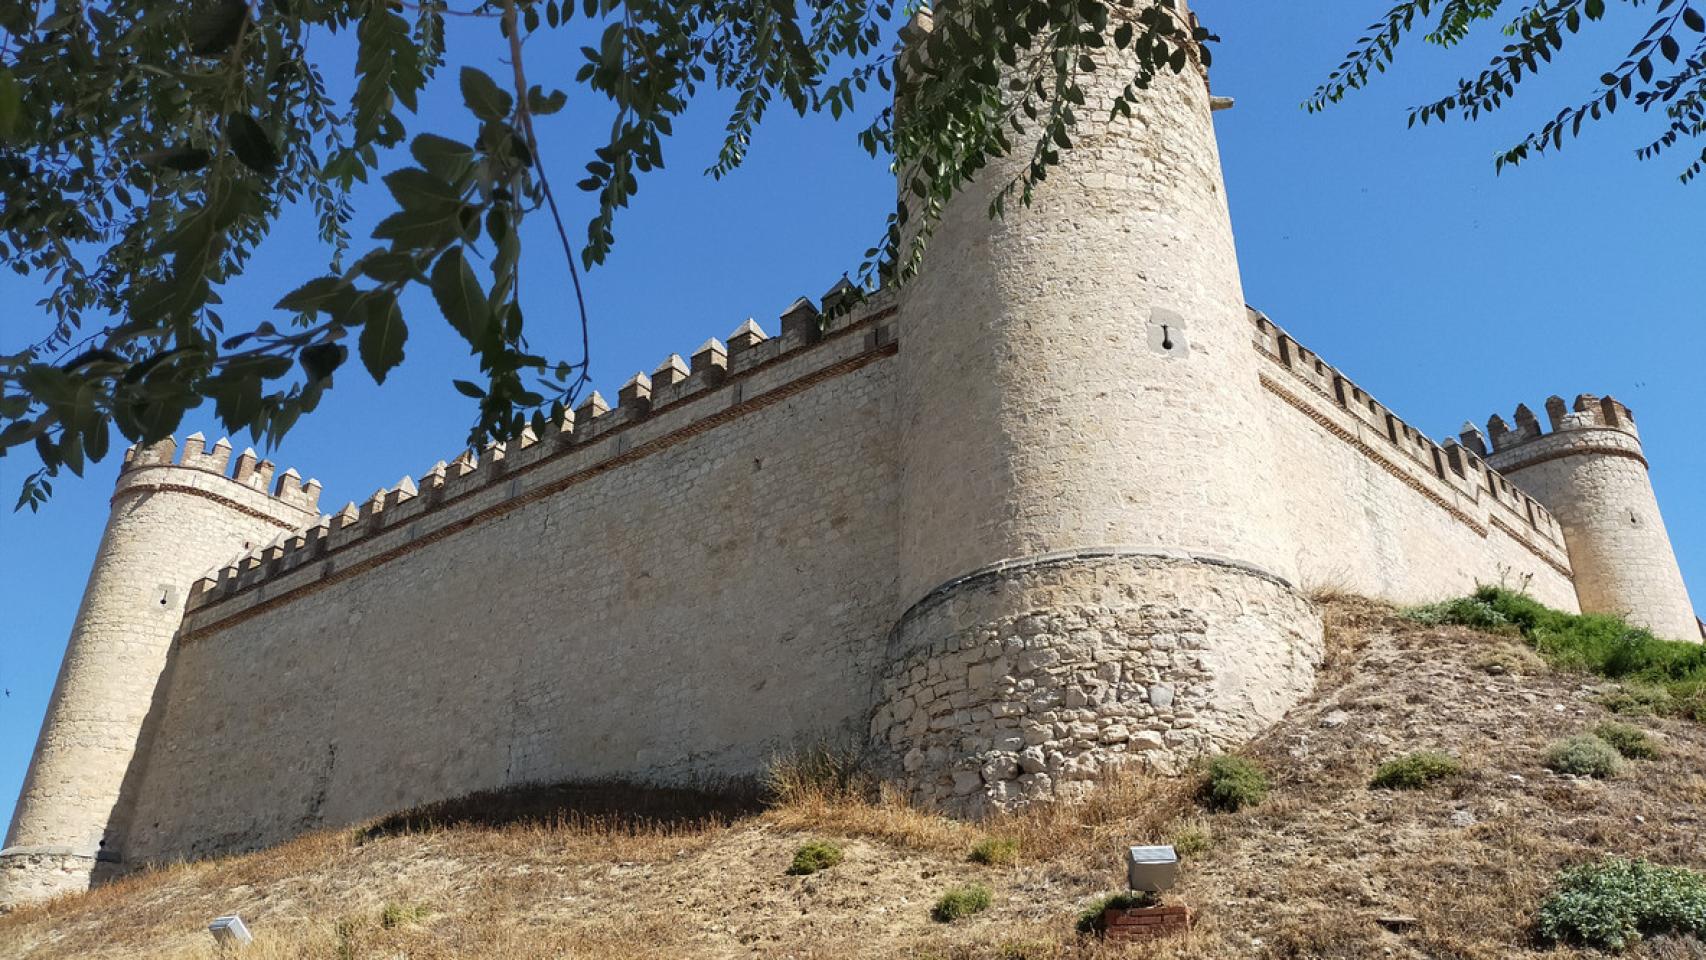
x: 1452, y: 857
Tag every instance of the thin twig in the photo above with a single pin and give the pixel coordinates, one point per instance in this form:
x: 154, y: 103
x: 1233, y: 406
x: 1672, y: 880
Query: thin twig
x: 524, y: 117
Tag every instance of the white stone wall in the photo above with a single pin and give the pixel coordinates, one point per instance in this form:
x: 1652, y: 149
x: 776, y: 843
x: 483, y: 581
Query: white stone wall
x: 1041, y: 410
x: 1373, y: 508
x: 169, y: 524
x: 1030, y: 682
x: 675, y: 617
x: 1595, y: 480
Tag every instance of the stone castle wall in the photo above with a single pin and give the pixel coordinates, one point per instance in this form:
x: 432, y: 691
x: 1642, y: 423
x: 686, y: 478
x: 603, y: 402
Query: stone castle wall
x: 674, y: 595
x: 1592, y: 471
x: 678, y: 590
x: 170, y: 522
x: 1374, y: 508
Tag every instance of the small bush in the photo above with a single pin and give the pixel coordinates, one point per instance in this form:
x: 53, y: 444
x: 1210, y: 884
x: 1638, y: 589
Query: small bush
x: 1090, y: 918
x: 1413, y: 771
x: 1462, y: 611
x: 961, y: 902
x: 816, y: 774
x: 1629, y: 740
x: 1192, y: 839
x: 814, y: 856
x: 1234, y: 783
x: 1583, y: 755
x: 1613, y: 903
x: 996, y: 851
x: 1508, y: 659
x: 402, y: 914
x: 1638, y: 700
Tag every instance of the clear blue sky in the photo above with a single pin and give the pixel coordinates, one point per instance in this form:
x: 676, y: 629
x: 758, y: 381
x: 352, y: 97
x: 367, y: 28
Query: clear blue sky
x: 1447, y: 292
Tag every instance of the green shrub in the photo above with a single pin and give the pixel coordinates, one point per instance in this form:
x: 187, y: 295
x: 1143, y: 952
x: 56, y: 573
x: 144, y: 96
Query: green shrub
x: 1508, y: 659
x: 1462, y: 611
x: 1584, y: 755
x: 402, y: 914
x: 1612, y: 903
x: 1413, y: 771
x: 996, y: 851
x: 1234, y: 783
x: 1638, y: 699
x: 1193, y: 839
x: 1629, y: 740
x: 814, y: 856
x: 961, y: 902
x: 1090, y: 918
x: 1596, y: 643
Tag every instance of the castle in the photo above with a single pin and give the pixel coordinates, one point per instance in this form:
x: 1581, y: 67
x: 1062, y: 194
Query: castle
x: 1053, y: 507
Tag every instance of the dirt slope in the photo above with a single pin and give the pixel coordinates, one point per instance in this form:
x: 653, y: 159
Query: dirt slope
x: 1312, y: 872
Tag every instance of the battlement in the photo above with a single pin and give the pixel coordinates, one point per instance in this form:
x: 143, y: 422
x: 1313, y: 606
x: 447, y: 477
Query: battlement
x: 1589, y: 412
x: 250, y: 470
x: 452, y: 492
x: 1456, y: 469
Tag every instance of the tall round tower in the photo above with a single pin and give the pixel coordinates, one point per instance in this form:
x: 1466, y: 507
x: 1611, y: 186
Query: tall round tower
x: 170, y: 522
x: 1089, y: 556
x: 1591, y: 474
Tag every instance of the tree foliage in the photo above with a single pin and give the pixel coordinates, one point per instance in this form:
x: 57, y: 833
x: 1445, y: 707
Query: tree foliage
x: 147, y: 148
x: 1664, y: 72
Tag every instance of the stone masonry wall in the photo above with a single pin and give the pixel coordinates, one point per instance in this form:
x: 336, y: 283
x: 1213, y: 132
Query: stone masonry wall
x: 675, y: 616
x: 1374, y: 508
x: 169, y: 523
x: 1030, y: 681
x: 1595, y: 479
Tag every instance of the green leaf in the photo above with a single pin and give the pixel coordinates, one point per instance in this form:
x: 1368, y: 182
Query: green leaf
x: 321, y: 359
x: 443, y: 157
x: 214, y: 26
x: 460, y: 297
x: 251, y: 143
x: 468, y: 389
x: 417, y: 190
x: 483, y: 96
x: 11, y: 105
x: 313, y: 295
x: 382, y: 337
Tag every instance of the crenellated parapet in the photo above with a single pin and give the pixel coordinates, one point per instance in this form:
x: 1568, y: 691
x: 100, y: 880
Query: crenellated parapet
x: 1589, y: 470
x: 249, y: 471
x: 677, y: 398
x: 1591, y: 423
x: 1457, y: 475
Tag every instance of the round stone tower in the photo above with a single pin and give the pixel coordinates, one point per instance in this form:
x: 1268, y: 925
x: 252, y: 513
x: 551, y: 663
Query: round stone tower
x: 1591, y: 474
x: 1089, y: 556
x: 170, y: 522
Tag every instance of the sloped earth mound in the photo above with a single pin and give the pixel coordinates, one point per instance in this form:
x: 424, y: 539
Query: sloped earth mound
x: 1324, y: 867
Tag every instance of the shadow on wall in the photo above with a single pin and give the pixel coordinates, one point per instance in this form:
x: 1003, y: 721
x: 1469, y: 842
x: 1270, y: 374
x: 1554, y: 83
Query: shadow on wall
x: 618, y: 807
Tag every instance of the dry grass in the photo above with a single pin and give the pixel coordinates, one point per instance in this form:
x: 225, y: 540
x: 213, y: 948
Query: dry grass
x: 622, y: 874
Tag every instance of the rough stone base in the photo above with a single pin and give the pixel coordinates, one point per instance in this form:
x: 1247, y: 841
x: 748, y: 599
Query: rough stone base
x: 1032, y: 679
x: 31, y: 874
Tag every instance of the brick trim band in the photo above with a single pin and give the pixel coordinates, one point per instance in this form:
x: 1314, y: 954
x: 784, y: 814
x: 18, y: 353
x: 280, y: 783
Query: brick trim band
x: 648, y: 448
x: 1596, y: 450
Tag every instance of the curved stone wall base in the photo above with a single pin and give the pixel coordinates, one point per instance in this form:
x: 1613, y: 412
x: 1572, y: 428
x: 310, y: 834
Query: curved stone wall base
x: 31, y: 874
x: 1031, y: 679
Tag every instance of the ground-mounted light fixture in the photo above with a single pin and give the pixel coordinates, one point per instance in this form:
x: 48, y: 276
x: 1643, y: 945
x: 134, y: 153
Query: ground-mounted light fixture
x: 1151, y: 869
x: 229, y: 931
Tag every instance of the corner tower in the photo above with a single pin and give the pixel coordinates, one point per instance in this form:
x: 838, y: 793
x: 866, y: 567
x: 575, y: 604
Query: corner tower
x: 171, y: 520
x: 1591, y: 474
x: 1089, y: 554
